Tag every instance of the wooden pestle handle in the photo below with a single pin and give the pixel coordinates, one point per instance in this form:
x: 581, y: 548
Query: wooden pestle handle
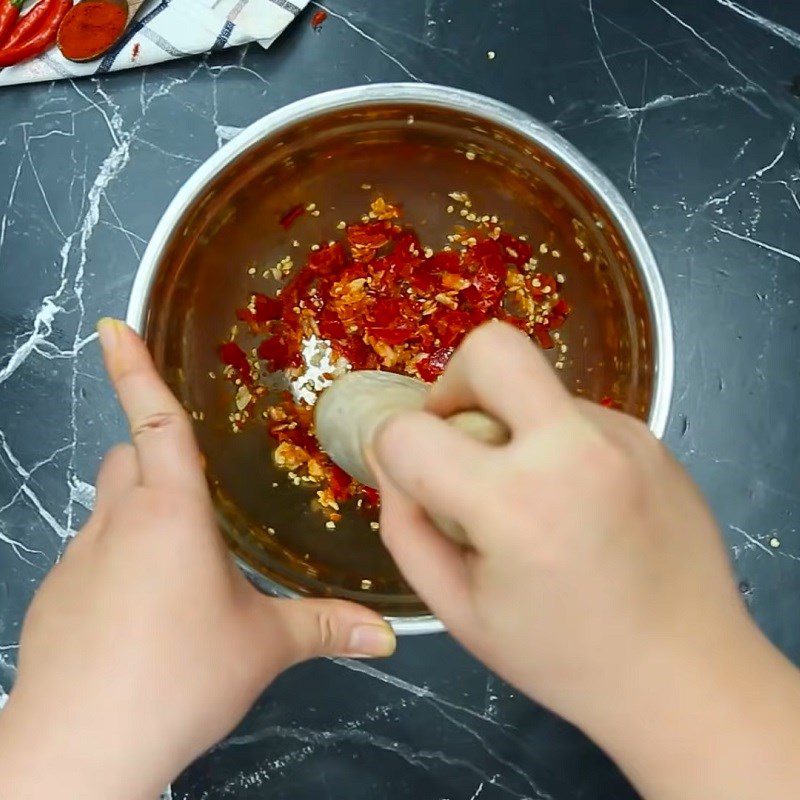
x: 353, y: 407
x: 133, y: 8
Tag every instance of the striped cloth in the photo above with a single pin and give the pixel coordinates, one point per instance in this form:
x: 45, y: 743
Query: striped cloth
x: 169, y: 29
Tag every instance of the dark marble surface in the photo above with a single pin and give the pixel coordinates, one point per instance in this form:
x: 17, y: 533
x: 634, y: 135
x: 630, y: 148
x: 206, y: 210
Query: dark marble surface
x: 690, y: 106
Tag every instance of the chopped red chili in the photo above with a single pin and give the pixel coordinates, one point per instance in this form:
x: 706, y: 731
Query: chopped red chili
x: 261, y: 309
x: 291, y: 216
x: 231, y: 355
x: 275, y: 351
x: 432, y: 366
x: 372, y: 497
x: 381, y: 300
x: 318, y: 18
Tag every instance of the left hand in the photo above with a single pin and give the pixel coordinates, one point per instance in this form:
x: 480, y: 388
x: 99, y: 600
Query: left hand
x: 146, y: 645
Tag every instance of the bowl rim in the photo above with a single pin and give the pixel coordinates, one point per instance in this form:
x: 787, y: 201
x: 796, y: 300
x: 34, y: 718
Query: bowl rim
x: 428, y: 94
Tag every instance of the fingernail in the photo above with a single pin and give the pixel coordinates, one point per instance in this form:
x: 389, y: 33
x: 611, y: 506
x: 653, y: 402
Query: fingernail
x: 108, y: 329
x: 371, y: 641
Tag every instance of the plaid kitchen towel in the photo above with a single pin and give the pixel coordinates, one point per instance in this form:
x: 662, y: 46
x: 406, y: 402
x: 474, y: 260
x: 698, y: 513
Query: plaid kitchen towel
x: 168, y: 29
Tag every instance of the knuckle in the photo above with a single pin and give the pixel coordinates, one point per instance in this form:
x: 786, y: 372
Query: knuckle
x: 155, y: 423
x: 386, y: 442
x: 393, y: 435
x: 117, y: 452
x: 393, y: 430
x: 162, y: 519
x: 327, y: 629
x: 516, y: 487
x: 486, y: 341
x: 154, y: 504
x: 620, y: 475
x: 612, y: 463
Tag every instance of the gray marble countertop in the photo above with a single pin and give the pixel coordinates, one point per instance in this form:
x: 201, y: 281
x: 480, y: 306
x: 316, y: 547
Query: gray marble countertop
x: 690, y: 106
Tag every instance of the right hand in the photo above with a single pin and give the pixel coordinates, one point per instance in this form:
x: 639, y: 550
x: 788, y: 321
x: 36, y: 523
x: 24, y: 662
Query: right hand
x: 596, y: 582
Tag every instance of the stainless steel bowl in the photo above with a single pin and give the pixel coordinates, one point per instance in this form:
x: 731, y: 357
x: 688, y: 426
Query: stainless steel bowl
x: 414, y: 143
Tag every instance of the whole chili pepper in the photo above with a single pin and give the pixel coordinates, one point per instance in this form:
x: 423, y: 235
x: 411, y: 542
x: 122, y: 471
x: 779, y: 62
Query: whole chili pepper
x: 40, y: 41
x: 30, y: 23
x: 9, y: 14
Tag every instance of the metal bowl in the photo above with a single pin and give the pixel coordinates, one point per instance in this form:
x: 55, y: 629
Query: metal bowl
x: 414, y: 144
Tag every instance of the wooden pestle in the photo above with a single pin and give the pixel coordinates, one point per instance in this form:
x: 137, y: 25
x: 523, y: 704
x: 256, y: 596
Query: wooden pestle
x: 353, y: 407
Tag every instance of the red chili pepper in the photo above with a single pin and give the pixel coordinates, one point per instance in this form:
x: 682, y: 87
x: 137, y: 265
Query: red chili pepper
x: 340, y: 483
x: 318, y: 19
x: 542, y: 334
x: 355, y: 351
x: 330, y: 326
x: 445, y: 261
x: 9, y: 14
x: 298, y: 436
x: 452, y: 327
x: 372, y: 497
x: 515, y: 250
x: 291, y: 216
x: 40, y: 41
x: 547, y: 285
x: 327, y: 259
x: 431, y: 367
x: 261, y: 309
x: 559, y: 313
x: 398, y: 334
x: 368, y: 236
x: 275, y: 351
x: 232, y: 355
x: 30, y: 23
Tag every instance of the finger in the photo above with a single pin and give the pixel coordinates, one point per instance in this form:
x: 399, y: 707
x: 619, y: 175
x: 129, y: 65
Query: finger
x: 118, y: 474
x: 432, y: 462
x: 499, y: 370
x: 313, y: 628
x: 435, y: 567
x: 160, y: 429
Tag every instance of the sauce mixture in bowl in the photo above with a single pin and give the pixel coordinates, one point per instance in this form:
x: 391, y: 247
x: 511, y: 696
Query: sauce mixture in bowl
x: 375, y: 233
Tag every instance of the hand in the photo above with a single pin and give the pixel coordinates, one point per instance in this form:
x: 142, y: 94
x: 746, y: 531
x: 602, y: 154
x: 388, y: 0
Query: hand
x: 596, y: 581
x: 146, y: 645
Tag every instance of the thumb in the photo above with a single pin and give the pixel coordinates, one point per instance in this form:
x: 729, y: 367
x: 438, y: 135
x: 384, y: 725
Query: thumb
x: 316, y: 628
